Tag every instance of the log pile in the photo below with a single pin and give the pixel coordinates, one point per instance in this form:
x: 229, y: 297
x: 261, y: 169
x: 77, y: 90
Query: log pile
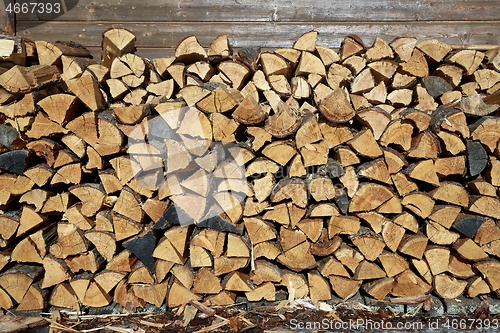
x: 216, y: 174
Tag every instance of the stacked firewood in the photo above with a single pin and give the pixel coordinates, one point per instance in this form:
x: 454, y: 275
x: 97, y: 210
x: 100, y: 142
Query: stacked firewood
x: 213, y: 174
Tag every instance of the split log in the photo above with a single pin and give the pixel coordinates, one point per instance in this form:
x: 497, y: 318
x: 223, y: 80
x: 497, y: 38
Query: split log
x: 351, y: 45
x: 17, y: 280
x: 26, y: 79
x: 344, y: 287
x: 403, y: 47
x: 409, y: 284
x: 394, y: 146
x: 337, y: 107
x: 380, y: 288
x: 448, y: 287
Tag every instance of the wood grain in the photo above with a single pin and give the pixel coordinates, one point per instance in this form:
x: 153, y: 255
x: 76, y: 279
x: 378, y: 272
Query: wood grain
x: 168, y: 35
x: 276, y: 11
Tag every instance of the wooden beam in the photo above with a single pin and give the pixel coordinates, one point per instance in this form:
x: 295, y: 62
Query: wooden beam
x: 264, y: 34
x: 278, y: 11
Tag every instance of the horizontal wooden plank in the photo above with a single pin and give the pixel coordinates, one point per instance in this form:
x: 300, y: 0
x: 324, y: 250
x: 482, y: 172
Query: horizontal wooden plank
x: 272, y: 11
x: 271, y: 35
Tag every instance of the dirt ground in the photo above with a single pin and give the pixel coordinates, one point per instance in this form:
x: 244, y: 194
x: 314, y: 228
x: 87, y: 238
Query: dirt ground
x: 279, y: 318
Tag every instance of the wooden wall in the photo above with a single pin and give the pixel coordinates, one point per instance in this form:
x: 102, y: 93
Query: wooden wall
x: 160, y: 25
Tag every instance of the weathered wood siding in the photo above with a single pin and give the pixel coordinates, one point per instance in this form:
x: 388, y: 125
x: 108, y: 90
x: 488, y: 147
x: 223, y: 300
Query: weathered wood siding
x: 160, y: 25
